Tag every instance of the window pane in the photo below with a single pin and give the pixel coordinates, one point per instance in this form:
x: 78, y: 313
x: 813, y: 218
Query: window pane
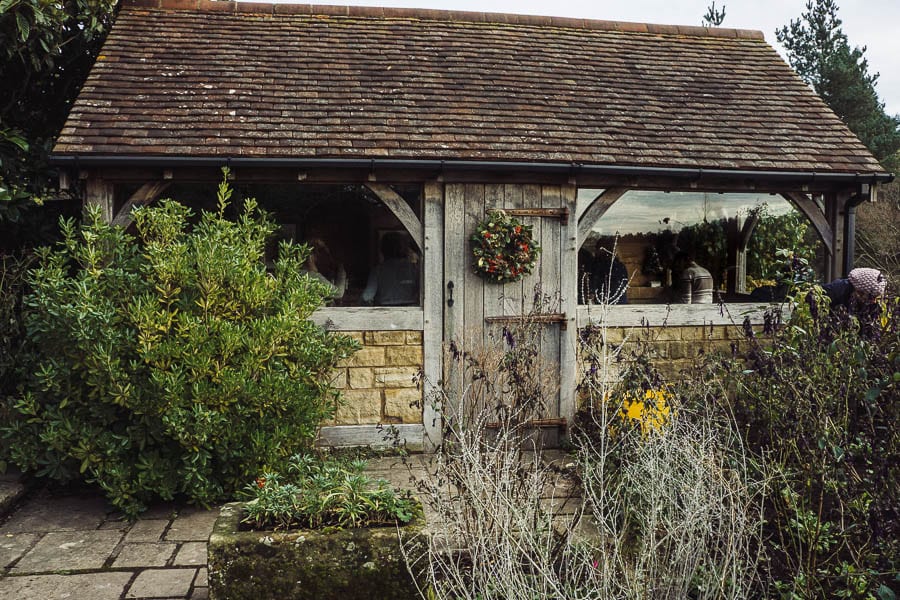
x: 669, y: 241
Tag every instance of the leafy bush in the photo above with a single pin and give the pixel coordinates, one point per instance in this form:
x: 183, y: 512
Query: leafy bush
x: 823, y: 400
x: 707, y: 242
x: 324, y: 493
x: 790, y: 230
x: 171, y: 363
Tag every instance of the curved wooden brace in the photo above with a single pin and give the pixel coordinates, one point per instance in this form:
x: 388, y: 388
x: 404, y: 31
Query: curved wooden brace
x: 400, y: 209
x: 145, y: 195
x: 808, y: 207
x: 597, y: 209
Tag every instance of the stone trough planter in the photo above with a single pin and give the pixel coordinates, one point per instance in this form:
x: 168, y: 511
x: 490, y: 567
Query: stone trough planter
x: 345, y: 564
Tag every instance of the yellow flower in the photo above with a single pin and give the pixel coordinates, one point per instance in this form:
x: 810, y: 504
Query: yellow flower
x: 633, y: 410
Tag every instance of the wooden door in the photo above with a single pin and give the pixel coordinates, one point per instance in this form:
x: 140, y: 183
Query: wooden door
x: 476, y: 311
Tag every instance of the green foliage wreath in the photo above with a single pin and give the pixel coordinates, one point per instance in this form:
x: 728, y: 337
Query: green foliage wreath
x: 503, y: 248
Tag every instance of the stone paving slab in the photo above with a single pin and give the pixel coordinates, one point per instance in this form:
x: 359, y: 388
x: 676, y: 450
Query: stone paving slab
x: 14, y: 545
x: 145, y: 555
x: 147, y: 530
x: 58, y: 513
x: 162, y: 583
x: 69, y: 551
x: 191, y: 554
x: 192, y: 525
x: 90, y: 586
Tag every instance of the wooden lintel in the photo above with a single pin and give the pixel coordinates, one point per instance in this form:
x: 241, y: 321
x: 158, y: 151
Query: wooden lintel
x: 553, y: 213
x: 548, y: 318
x: 398, y: 206
x: 146, y: 194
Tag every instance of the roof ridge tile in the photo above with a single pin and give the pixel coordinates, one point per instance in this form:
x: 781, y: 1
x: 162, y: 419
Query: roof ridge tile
x: 440, y: 15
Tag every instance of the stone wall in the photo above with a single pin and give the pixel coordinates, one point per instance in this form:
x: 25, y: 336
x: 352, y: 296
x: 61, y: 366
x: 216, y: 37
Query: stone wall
x: 673, y: 349
x: 377, y: 383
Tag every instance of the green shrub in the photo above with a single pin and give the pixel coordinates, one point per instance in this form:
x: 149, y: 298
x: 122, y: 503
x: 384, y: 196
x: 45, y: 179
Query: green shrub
x: 823, y: 401
x: 325, y: 493
x: 171, y: 363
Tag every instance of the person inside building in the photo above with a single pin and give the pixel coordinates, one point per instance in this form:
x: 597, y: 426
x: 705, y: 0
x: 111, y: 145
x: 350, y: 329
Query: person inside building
x: 322, y: 265
x: 395, y: 281
x: 861, y: 287
x: 695, y: 283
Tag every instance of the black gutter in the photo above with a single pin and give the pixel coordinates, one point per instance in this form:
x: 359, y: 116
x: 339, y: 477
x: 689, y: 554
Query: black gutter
x: 850, y: 229
x: 572, y: 169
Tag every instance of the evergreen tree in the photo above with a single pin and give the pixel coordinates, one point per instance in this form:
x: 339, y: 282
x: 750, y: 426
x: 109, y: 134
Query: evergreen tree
x: 713, y: 17
x: 820, y: 52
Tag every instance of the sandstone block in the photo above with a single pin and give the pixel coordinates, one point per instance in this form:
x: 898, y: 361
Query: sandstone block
x: 413, y: 337
x: 395, y: 377
x: 355, y: 335
x: 694, y: 334
x: 679, y: 350
x: 339, y: 378
x: 616, y: 335
x: 369, y: 356
x: 386, y: 338
x: 359, y: 407
x: 667, y: 334
x: 400, y: 356
x: 404, y: 403
x: 361, y: 378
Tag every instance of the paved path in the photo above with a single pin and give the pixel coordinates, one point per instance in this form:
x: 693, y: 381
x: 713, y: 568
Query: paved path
x: 73, y: 546
x: 76, y: 547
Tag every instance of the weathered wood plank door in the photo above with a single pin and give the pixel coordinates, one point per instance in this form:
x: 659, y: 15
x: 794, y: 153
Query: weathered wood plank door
x: 475, y: 311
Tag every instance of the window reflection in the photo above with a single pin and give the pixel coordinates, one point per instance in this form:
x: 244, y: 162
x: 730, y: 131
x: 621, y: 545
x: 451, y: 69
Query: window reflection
x: 693, y: 247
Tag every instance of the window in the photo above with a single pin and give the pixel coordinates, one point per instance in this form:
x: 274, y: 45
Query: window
x: 664, y: 243
x: 356, y: 239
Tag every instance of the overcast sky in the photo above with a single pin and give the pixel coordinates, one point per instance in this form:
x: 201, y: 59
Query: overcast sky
x: 871, y: 23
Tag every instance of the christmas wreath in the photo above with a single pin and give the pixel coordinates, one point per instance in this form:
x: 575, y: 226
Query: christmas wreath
x: 503, y: 248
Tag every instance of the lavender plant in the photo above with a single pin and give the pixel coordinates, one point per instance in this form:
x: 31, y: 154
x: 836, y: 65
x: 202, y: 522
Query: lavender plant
x: 656, y: 504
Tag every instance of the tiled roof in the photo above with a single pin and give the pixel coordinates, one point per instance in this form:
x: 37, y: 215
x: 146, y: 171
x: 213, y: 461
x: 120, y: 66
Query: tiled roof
x: 207, y: 79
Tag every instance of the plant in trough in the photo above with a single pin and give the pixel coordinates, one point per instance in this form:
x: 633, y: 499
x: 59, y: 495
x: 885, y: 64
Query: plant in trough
x: 318, y: 493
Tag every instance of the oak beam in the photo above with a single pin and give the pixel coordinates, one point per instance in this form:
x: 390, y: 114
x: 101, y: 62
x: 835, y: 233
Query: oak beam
x: 819, y: 221
x: 146, y: 194
x: 398, y: 206
x: 597, y: 209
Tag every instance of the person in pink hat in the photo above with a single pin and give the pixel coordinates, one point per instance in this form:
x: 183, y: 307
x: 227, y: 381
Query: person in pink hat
x: 862, y: 286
